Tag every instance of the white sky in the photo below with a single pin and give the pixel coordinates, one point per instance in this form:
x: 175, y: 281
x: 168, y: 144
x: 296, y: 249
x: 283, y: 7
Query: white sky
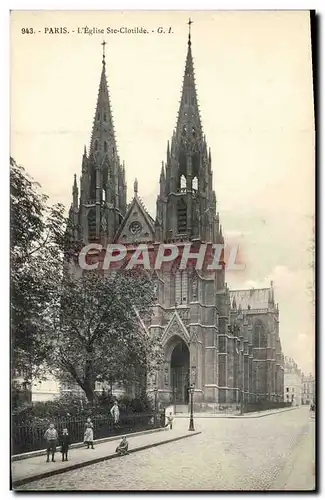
x: 254, y: 83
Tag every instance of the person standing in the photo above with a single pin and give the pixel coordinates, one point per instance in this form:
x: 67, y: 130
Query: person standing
x: 64, y: 443
x: 89, y: 422
x: 115, y: 412
x: 89, y: 436
x: 170, y: 419
x: 51, y: 437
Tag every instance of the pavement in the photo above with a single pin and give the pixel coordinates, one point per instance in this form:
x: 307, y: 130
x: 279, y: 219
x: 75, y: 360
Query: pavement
x: 275, y: 453
x: 255, y: 414
x: 36, y: 467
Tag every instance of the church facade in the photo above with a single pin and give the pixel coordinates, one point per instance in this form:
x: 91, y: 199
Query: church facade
x: 224, y: 342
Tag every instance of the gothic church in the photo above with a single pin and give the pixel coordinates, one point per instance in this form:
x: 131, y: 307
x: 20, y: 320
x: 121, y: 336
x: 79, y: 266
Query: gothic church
x: 224, y: 342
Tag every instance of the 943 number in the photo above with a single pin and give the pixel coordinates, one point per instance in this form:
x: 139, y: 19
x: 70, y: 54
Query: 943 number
x: 27, y: 31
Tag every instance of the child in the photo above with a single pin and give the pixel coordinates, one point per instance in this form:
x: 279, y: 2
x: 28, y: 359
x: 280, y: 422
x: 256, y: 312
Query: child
x: 89, y: 436
x: 88, y: 422
x: 123, y: 447
x: 51, y: 437
x: 170, y: 419
x: 64, y: 442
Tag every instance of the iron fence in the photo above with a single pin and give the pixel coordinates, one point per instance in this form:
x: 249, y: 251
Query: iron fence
x: 29, y: 436
x: 264, y: 405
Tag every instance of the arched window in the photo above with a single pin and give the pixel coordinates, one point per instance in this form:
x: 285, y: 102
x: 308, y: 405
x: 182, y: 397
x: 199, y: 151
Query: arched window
x: 183, y: 182
x: 193, y: 132
x: 103, y: 195
x: 98, y: 115
x: 259, y: 335
x: 96, y: 145
x: 91, y: 224
x: 105, y: 117
x: 181, y: 287
x: 181, y: 216
x: 195, y: 183
x: 105, y: 146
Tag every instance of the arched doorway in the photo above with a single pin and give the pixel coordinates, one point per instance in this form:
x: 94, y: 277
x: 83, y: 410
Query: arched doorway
x: 180, y: 368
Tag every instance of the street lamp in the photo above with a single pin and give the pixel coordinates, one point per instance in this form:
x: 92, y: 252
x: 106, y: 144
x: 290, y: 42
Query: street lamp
x: 191, y: 426
x: 155, y: 391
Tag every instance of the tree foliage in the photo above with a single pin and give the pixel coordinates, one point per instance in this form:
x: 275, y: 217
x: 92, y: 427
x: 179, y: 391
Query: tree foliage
x: 98, y: 335
x: 86, y: 327
x: 36, y: 232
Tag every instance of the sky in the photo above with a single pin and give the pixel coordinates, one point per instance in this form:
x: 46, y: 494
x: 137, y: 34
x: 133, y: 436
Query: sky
x: 254, y: 83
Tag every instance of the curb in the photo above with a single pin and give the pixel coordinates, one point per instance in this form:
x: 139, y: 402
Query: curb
x: 55, y: 472
x: 40, y: 453
x: 265, y: 414
x: 246, y: 415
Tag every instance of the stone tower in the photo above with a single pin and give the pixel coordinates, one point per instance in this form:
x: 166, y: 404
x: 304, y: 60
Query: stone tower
x: 186, y: 204
x: 225, y: 343
x: 192, y: 314
x: 99, y: 210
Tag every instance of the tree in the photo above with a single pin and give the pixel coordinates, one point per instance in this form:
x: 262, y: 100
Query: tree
x: 96, y: 330
x: 37, y: 232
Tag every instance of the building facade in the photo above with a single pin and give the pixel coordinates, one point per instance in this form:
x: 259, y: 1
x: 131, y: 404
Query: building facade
x: 292, y: 382
x: 308, y: 394
x: 225, y: 343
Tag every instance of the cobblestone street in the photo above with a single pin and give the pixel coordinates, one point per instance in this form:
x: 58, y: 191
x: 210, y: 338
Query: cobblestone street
x: 274, y: 452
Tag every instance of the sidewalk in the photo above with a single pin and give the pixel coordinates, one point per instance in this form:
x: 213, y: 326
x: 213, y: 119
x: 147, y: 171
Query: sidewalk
x: 32, y: 469
x: 255, y: 414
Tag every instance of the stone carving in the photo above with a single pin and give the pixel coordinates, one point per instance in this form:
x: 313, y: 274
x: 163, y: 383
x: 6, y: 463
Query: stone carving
x: 183, y: 314
x: 104, y: 222
x: 166, y: 376
x: 194, y: 287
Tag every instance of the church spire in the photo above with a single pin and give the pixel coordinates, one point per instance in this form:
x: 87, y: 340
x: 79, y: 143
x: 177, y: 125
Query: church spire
x: 103, y: 136
x: 189, y: 120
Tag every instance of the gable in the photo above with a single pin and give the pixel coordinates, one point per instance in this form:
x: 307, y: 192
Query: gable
x: 137, y: 225
x: 176, y: 327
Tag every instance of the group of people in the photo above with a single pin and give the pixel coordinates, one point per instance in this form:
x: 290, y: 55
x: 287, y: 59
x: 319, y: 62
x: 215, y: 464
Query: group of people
x: 52, y: 438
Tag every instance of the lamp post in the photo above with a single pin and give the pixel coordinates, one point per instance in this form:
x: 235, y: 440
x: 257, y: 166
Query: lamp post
x: 174, y: 399
x: 155, y: 391
x: 191, y: 426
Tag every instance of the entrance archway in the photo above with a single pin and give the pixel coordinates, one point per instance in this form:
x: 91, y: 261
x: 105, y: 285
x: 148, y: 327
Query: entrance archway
x: 180, y: 368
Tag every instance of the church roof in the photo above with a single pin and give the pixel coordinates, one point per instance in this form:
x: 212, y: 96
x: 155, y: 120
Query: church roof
x: 255, y: 298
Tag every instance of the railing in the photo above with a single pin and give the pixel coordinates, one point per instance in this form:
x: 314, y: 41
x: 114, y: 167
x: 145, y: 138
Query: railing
x: 264, y: 405
x: 29, y: 436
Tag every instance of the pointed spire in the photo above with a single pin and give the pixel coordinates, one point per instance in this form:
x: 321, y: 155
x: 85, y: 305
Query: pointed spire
x: 271, y: 293
x: 189, y: 120
x: 85, y: 150
x: 103, y: 135
x: 162, y: 172
x: 135, y: 187
x: 75, y: 192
